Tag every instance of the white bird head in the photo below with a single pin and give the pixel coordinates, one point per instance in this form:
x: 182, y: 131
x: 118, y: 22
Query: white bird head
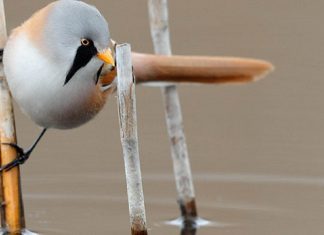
x: 75, y: 31
x: 53, y: 61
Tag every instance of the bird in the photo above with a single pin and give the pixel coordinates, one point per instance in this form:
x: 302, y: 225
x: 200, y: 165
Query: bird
x: 53, y: 63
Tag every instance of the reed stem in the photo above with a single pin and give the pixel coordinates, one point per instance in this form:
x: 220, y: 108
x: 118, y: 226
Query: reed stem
x: 158, y: 13
x: 12, y: 206
x: 129, y: 139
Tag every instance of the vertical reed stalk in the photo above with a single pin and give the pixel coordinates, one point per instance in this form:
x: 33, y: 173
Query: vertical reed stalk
x: 129, y: 139
x: 12, y: 205
x: 158, y: 13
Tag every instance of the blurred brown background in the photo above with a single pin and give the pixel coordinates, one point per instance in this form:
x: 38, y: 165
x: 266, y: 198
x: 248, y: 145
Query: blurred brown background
x: 256, y: 150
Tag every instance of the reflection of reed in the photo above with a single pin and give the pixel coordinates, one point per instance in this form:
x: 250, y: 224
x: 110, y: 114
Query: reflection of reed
x: 188, y: 231
x: 189, y: 228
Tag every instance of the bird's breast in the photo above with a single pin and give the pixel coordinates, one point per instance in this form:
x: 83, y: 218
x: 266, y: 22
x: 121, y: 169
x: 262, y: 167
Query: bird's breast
x: 37, y: 84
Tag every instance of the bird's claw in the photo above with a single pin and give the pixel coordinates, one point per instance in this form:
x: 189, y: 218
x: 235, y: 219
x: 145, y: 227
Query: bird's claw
x: 19, y: 149
x: 22, y: 156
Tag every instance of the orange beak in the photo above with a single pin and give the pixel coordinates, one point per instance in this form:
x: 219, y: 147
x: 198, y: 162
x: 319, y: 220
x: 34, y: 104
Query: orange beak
x: 106, y: 56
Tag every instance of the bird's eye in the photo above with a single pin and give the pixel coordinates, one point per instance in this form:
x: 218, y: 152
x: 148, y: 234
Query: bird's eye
x: 85, y: 42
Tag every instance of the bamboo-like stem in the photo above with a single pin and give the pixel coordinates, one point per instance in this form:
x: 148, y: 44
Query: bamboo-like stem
x: 129, y: 139
x: 158, y: 13
x: 13, y: 204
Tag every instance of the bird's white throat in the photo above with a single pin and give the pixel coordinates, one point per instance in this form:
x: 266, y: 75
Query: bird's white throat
x: 38, y: 85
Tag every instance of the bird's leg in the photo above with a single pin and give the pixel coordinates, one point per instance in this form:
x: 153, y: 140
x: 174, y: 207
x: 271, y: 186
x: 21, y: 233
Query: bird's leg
x: 22, y: 155
x: 1, y: 54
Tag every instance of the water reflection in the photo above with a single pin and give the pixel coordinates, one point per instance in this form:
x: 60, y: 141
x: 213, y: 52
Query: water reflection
x: 23, y: 232
x: 190, y: 226
x: 188, y: 230
x: 244, y: 203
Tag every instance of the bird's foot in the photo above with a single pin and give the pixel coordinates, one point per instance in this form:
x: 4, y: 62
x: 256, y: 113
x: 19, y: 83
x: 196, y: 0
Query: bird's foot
x: 1, y: 55
x: 22, y: 156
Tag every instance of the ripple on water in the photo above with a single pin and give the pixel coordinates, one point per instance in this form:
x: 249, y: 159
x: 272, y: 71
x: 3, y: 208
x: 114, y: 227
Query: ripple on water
x: 199, y: 222
x: 24, y: 232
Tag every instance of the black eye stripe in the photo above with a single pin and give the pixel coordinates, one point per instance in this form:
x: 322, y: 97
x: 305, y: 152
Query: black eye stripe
x: 81, y: 59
